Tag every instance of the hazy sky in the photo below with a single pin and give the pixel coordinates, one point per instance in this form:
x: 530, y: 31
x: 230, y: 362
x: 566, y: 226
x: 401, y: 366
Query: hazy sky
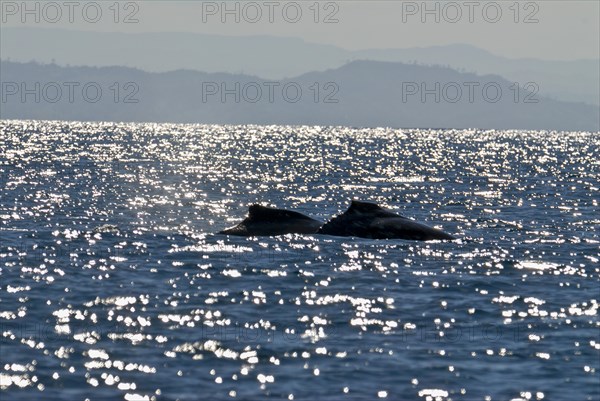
x: 514, y: 28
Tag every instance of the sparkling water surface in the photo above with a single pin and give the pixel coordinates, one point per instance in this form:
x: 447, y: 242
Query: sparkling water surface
x: 114, y: 285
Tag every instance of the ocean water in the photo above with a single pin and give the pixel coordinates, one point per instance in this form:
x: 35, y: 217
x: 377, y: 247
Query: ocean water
x: 114, y: 286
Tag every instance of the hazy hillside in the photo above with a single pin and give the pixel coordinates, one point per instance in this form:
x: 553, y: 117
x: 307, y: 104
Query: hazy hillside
x: 276, y: 58
x: 361, y: 93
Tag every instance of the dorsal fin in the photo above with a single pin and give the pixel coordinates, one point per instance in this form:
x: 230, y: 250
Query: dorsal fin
x: 361, y: 207
x: 260, y: 212
x: 364, y: 207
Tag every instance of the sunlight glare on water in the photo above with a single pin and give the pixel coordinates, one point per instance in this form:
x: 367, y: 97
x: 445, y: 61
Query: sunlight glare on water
x: 114, y: 285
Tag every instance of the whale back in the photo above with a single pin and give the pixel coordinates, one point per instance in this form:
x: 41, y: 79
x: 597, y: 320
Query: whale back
x: 369, y: 220
x: 265, y: 213
x: 264, y: 220
x: 360, y: 208
x: 357, y: 220
x: 362, y: 219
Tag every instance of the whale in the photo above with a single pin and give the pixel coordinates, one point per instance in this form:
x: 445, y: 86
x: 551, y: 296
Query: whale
x: 269, y: 221
x: 369, y: 220
x: 362, y: 220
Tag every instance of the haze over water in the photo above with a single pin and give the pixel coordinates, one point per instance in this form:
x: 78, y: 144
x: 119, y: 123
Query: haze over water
x: 113, y: 284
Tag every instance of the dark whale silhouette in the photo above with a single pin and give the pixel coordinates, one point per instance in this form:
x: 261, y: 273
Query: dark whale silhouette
x: 263, y: 220
x: 368, y: 220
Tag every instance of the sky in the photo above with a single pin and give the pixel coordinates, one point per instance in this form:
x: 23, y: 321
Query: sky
x: 548, y: 29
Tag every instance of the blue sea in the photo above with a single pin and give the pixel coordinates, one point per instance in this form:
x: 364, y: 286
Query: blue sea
x: 114, y: 285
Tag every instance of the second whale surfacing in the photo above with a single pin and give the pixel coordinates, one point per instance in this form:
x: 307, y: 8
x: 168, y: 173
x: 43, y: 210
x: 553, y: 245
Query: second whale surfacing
x: 267, y: 221
x: 368, y: 220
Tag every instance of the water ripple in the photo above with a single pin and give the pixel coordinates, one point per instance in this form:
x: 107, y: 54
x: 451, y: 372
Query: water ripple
x: 114, y: 285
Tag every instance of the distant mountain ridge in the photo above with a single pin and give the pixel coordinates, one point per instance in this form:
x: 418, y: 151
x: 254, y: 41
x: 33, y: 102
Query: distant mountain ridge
x: 275, y: 58
x: 360, y: 93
